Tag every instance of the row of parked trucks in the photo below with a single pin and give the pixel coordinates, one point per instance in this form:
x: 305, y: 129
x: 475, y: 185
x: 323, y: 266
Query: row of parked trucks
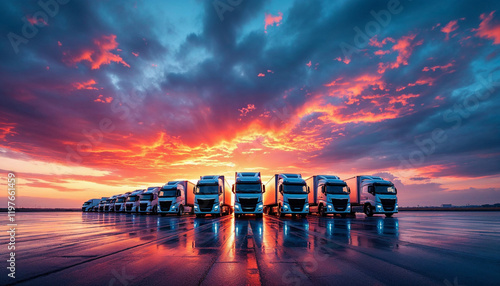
x: 283, y: 194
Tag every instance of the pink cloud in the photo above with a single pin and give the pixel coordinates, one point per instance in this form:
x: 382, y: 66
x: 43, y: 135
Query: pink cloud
x: 404, y: 46
x: 86, y: 85
x: 245, y: 110
x: 450, y: 27
x: 261, y: 75
x: 99, y: 54
x: 271, y: 20
x: 487, y: 29
x: 434, y: 68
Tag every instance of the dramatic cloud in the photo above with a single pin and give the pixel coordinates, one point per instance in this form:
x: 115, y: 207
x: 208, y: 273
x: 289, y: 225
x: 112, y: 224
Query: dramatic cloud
x: 488, y: 29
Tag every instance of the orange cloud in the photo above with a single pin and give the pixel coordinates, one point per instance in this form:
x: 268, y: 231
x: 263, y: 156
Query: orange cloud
x: 86, y: 85
x: 270, y: 20
x: 101, y: 98
x: 6, y: 129
x: 309, y: 64
x: 375, y: 43
x: 487, y: 29
x: 98, y: 55
x: 245, y: 110
x: 434, y: 68
x: 404, y: 46
x: 135, y: 54
x: 381, y: 52
x: 354, y: 87
x: 450, y: 27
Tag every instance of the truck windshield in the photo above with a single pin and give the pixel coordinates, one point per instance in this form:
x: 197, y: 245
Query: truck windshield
x: 248, y: 188
x: 336, y: 189
x: 147, y: 197
x: 295, y: 189
x: 120, y: 200
x: 86, y: 203
x: 168, y: 193
x: 210, y: 189
x: 133, y: 198
x: 385, y: 189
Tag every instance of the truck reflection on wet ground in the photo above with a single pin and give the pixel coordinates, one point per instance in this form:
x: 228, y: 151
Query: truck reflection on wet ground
x: 417, y: 248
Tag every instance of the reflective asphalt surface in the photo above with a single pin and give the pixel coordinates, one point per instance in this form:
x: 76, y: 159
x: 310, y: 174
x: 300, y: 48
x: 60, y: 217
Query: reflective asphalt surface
x: 413, y: 248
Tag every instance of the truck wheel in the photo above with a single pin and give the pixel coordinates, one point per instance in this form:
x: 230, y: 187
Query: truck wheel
x: 368, y: 210
x: 322, y: 211
x: 181, y: 210
x: 389, y: 215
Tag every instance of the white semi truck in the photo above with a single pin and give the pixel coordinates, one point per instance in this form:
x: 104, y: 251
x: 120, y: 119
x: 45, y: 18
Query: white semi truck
x: 373, y: 195
x: 132, y: 202
x: 248, y: 190
x: 90, y: 205
x: 211, y: 197
x: 120, y: 202
x: 110, y: 203
x: 176, y: 197
x: 286, y: 194
x: 102, y: 203
x: 149, y: 200
x: 329, y: 195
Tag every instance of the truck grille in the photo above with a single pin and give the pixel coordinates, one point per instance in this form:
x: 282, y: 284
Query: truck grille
x: 101, y: 208
x: 206, y: 205
x: 165, y: 206
x: 388, y: 204
x: 83, y: 208
x: 129, y: 207
x: 143, y: 207
x: 248, y: 205
x: 296, y: 204
x: 106, y: 208
x: 339, y: 204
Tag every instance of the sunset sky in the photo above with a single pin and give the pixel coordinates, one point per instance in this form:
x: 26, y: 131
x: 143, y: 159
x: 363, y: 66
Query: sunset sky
x: 103, y: 97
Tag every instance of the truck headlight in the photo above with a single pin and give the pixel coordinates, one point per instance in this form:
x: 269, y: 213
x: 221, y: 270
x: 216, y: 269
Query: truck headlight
x: 172, y: 207
x: 396, y: 206
x: 216, y: 207
x: 348, y: 207
x: 260, y: 205
x: 379, y: 207
x: 195, y: 207
x: 285, y: 207
x: 329, y: 206
x: 237, y: 207
x: 307, y: 206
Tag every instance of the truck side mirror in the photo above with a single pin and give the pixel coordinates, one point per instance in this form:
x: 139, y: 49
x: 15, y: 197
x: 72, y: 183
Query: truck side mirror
x: 178, y: 193
x: 281, y: 189
x: 194, y: 190
x: 348, y: 190
x: 396, y: 190
x: 370, y: 190
x: 220, y: 190
x: 263, y: 188
x: 232, y: 189
x: 323, y: 189
x: 308, y: 189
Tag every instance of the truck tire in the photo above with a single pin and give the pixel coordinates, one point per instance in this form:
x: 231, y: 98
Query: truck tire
x: 368, y: 210
x: 388, y: 215
x: 322, y: 211
x: 180, y: 212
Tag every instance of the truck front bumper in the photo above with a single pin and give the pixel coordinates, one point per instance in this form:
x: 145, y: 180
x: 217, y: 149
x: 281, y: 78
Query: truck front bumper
x: 215, y: 209
x: 330, y: 209
x: 259, y: 209
x: 286, y: 209
x: 379, y: 209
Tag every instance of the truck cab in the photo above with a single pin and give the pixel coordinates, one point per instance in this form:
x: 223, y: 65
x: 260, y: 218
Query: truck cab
x: 375, y: 195
x: 174, y: 198
x: 210, y: 197
x: 378, y: 196
x: 120, y: 202
x: 133, y: 201
x: 90, y: 205
x: 248, y: 190
x: 287, y: 194
x: 110, y: 203
x: 149, y: 200
x: 102, y: 203
x: 329, y: 195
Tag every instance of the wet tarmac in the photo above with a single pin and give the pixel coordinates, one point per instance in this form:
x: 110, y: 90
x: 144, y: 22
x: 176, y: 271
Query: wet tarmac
x: 412, y: 248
